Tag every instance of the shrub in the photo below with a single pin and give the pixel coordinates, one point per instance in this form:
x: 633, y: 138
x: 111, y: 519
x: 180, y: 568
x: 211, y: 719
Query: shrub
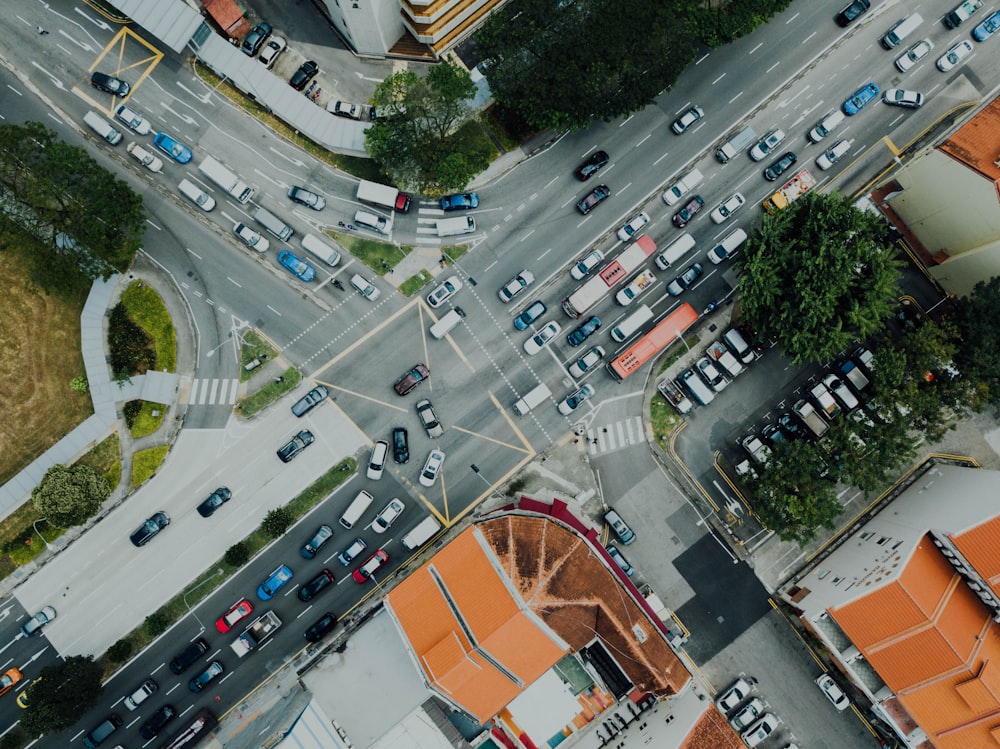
x: 130, y: 347
x: 121, y: 651
x: 277, y: 521
x: 238, y: 554
x: 131, y: 412
x: 156, y: 624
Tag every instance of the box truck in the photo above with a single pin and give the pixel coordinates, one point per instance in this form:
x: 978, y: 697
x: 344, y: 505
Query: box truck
x: 382, y: 195
x: 262, y: 627
x: 220, y: 174
x: 736, y: 143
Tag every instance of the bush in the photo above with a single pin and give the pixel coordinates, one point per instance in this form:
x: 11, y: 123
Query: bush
x: 121, y: 651
x: 156, y: 624
x: 277, y: 521
x: 131, y: 348
x: 131, y: 411
x: 238, y: 554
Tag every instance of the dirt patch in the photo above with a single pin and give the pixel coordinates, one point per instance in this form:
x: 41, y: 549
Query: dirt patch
x: 39, y: 356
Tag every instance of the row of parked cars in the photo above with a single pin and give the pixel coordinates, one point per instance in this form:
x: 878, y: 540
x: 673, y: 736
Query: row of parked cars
x: 723, y: 361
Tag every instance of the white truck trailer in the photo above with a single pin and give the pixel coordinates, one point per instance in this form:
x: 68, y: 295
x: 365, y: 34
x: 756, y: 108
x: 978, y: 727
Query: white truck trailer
x: 736, y: 143
x: 383, y: 196
x: 262, y: 627
x: 221, y: 175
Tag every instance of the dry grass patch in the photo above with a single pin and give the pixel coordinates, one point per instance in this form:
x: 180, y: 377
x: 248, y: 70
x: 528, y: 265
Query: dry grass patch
x: 39, y: 356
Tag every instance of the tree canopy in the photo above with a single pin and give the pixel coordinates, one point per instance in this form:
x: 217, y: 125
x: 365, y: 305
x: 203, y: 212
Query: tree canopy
x: 70, y: 495
x: 62, y: 693
x: 818, y: 276
x: 978, y: 357
x: 81, y: 222
x: 423, y: 137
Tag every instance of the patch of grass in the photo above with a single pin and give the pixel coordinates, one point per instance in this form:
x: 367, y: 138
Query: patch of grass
x: 254, y: 347
x: 145, y: 463
x: 679, y: 351
x: 413, y: 284
x: 19, y: 541
x: 379, y: 256
x: 39, y: 357
x: 663, y: 418
x: 105, y: 458
x: 149, y: 419
x: 148, y: 311
x: 271, y: 392
x: 453, y: 253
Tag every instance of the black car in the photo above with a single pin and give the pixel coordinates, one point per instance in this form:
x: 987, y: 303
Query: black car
x: 145, y: 532
x: 295, y: 445
x: 323, y: 534
x: 593, y: 198
x: 686, y: 213
x: 257, y: 36
x: 323, y: 626
x: 400, y: 445
x: 596, y: 161
x: 157, y: 721
x: 790, y: 425
x: 780, y: 166
x: 215, y: 500
x: 584, y: 332
x: 310, y: 400
x: 850, y: 14
x: 109, y: 84
x: 308, y: 198
x: 306, y: 72
x: 187, y: 657
x: 309, y: 591
x: 215, y: 670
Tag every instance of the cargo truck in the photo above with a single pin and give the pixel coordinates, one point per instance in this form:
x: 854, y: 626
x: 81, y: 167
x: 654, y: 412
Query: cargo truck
x: 725, y: 359
x: 756, y: 449
x: 674, y: 396
x: 794, y: 188
x: 220, y: 174
x: 384, y: 196
x: 736, y: 143
x: 824, y: 399
x: 262, y: 627
x: 811, y: 418
x: 859, y: 381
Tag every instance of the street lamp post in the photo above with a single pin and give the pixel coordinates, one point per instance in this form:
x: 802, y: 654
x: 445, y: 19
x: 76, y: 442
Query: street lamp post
x: 35, y: 526
x: 493, y: 491
x: 188, y: 606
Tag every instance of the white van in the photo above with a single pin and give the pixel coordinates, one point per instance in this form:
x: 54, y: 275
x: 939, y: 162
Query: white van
x: 901, y: 30
x: 422, y: 533
x: 196, y: 195
x: 738, y: 345
x: 376, y: 462
x: 535, y: 397
x: 826, y: 126
x: 632, y: 323
x: 725, y: 249
x: 381, y: 224
x: 443, y: 326
x: 320, y: 249
x: 356, y: 509
x: 448, y: 227
x: 273, y: 224
x: 103, y: 128
x: 675, y: 251
x: 694, y: 385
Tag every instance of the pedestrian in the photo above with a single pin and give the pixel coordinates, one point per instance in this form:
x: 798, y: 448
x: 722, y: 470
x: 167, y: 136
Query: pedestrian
x: 279, y: 379
x: 41, y: 31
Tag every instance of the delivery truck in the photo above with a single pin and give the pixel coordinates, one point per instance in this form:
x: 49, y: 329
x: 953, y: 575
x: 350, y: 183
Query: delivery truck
x: 794, y: 188
x: 220, y: 174
x: 811, y: 418
x: 859, y: 381
x: 262, y: 627
x: 383, y: 196
x: 737, y: 142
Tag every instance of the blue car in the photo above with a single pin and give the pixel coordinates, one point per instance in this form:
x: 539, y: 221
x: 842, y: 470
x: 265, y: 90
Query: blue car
x: 297, y: 265
x: 463, y: 202
x: 275, y: 582
x: 861, y: 97
x: 536, y: 310
x: 324, y: 534
x: 172, y: 148
x: 584, y: 332
x: 987, y: 28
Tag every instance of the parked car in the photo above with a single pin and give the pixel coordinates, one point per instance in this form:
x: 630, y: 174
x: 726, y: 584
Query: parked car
x: 632, y: 227
x: 767, y: 144
x: 733, y: 696
x: 592, y: 199
x: 214, y: 501
x: 321, y: 627
x: 710, y: 374
x: 319, y: 539
x: 173, y: 148
x: 133, y: 119
x: 274, y: 47
x: 686, y: 120
x: 465, y: 201
x: 728, y: 207
x: 291, y: 449
x: 306, y: 72
x: 310, y: 400
x: 901, y: 97
x: 639, y: 284
x: 859, y: 99
x: 411, y: 379
x: 214, y: 671
x: 534, y: 311
x: 148, y: 530
x: 913, y: 55
x: 305, y: 197
x: 583, y: 268
x: 252, y: 239
x: 239, y: 611
x: 346, y: 109
x: 841, y: 392
x: 371, y: 565
x: 516, y: 285
x: 763, y: 728
x: 851, y: 13
x: 109, y: 84
x: 780, y: 166
x: 587, y: 362
x: 144, y: 157
x: 620, y: 560
x: 445, y: 291
x: 954, y: 56
x: 594, y: 162
x: 277, y: 580
x: 541, y: 339
x: 432, y: 466
x: 256, y: 38
x: 296, y: 266
x: 428, y: 417
x: 313, y: 588
x: 747, y: 714
x: 684, y: 280
x: 390, y: 513
x: 572, y: 401
x: 685, y: 214
x: 834, y: 154
x: 400, y: 445
x: 833, y: 692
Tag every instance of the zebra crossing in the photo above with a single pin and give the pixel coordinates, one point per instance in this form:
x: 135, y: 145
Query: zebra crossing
x: 616, y: 436
x: 213, y: 392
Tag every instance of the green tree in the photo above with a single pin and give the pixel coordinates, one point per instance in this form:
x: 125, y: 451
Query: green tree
x: 868, y: 453
x: 818, y: 276
x: 87, y: 224
x: 277, y: 522
x: 156, y: 624
x: 978, y: 358
x: 418, y: 138
x: 238, y: 554
x: 121, y: 651
x: 70, y: 495
x: 63, y: 692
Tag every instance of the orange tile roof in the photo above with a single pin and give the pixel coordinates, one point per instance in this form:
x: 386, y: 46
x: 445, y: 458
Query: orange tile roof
x: 979, y: 546
x: 712, y: 731
x: 977, y: 143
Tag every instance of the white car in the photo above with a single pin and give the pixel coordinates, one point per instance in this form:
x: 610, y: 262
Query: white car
x: 388, y: 515
x: 767, y: 144
x: 432, y: 467
x: 686, y: 120
x: 828, y: 158
x: 901, y: 97
x: 833, y: 692
x: 955, y: 55
x: 747, y: 715
x: 541, y: 339
x: 133, y: 119
x: 252, y: 239
x: 144, y: 157
x: 274, y: 47
x: 913, y: 55
x: 733, y: 696
x: 590, y: 261
x: 444, y: 292
x: 365, y: 287
x: 841, y: 392
x: 760, y: 730
x: 346, y: 109
x: 570, y: 403
x: 633, y: 226
x: 516, y: 285
x: 728, y: 207
x: 587, y: 362
x: 639, y: 284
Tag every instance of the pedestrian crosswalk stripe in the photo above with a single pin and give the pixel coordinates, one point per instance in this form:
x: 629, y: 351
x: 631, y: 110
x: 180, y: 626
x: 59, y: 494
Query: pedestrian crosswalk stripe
x: 616, y: 436
x: 209, y: 392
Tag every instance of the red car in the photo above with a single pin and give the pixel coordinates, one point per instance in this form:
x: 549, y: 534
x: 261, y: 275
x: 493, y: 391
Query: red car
x: 376, y: 560
x: 234, y: 616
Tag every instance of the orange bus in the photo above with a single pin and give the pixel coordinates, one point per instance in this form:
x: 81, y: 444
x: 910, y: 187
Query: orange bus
x: 665, y: 332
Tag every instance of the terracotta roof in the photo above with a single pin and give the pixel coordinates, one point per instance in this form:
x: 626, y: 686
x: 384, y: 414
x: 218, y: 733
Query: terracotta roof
x: 977, y: 142
x: 979, y: 546
x: 712, y: 731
